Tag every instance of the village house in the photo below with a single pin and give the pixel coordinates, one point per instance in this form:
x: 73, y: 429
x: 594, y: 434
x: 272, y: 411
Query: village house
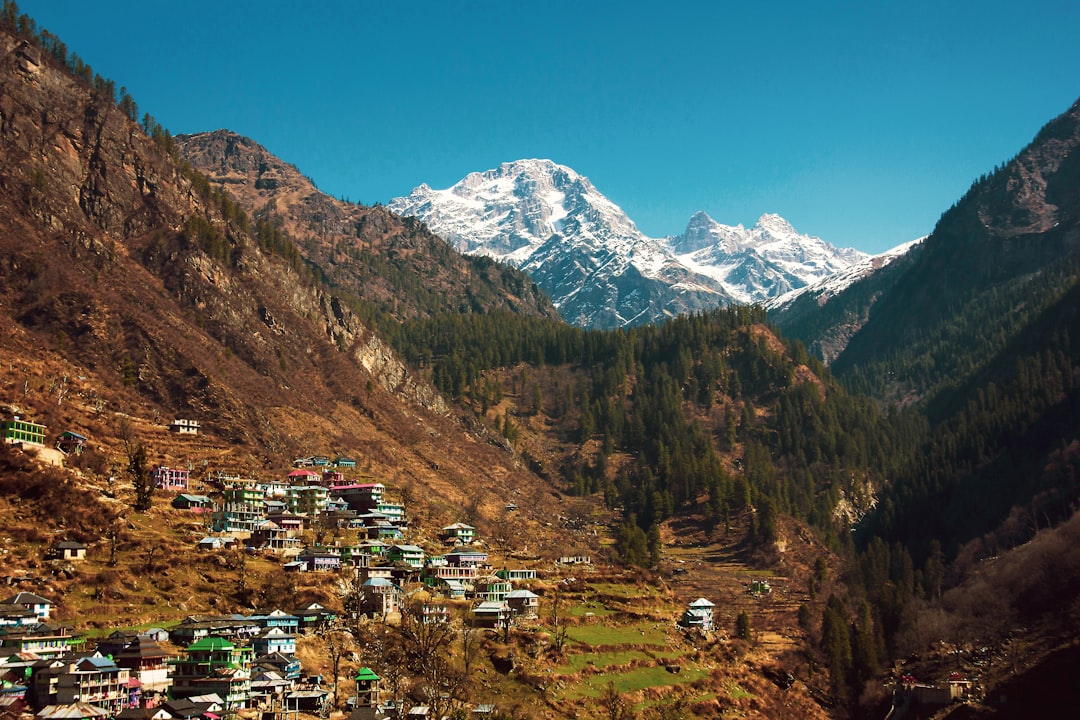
x: 193, y: 503
x: 491, y: 588
x: 270, y: 536
x: 276, y: 619
x: 409, y: 554
x: 458, y: 534
x: 99, y: 681
x: 453, y: 589
x: 19, y: 431
x: 274, y: 640
x: 463, y: 557
x: 303, y: 477
x: 320, y: 559
x: 434, y: 612
x: 524, y: 604
x: 71, y: 443
x: 699, y: 614
x: 344, y: 462
x: 195, y: 628
x: 197, y: 707
x: 313, y: 616
x: 381, y: 597
x: 331, y: 477
x: 491, y: 614
x: 438, y: 569
x: 214, y: 665
x: 15, y: 673
x: 267, y: 684
x: 361, y: 496
x: 287, y: 666
x: 307, y: 500
x: 17, y: 615
x: 40, y: 606
x: 169, y: 479
x: 66, y: 550
x: 44, y: 639
x: 211, y: 543
x: 184, y: 427
x: 516, y: 574
x: 146, y: 661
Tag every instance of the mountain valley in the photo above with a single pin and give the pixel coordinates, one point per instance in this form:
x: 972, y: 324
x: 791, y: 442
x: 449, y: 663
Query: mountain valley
x: 866, y: 466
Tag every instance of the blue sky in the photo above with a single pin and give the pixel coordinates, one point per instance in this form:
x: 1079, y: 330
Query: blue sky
x: 859, y: 122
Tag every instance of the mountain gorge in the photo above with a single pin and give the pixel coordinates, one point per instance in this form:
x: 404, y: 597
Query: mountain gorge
x: 598, y: 268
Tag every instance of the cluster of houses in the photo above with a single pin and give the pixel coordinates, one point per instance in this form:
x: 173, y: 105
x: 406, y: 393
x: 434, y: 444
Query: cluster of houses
x: 225, y: 664
x: 276, y: 515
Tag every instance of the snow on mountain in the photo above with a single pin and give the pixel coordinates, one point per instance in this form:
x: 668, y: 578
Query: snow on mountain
x: 765, y: 261
x: 598, y: 268
x: 832, y: 285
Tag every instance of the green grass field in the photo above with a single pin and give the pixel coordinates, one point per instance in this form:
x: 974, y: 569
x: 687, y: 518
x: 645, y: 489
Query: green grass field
x: 633, y: 680
x: 596, y: 635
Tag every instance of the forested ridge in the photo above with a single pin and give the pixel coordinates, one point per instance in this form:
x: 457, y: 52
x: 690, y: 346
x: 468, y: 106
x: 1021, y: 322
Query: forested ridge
x: 711, y: 407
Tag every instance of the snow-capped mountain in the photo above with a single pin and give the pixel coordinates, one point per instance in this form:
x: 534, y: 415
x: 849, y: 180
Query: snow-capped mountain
x: 598, y: 268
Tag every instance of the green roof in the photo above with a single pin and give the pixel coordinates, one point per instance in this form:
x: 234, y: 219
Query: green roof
x: 366, y: 674
x: 211, y: 643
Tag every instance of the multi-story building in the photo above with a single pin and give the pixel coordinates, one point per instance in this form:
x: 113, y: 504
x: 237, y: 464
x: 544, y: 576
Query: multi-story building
x: 307, y: 500
x: 214, y: 665
x: 17, y: 430
x: 146, y: 662
x: 98, y: 681
x: 167, y: 478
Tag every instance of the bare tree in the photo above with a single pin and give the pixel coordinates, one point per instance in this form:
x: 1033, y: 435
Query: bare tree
x: 353, y: 599
x: 558, y: 624
x: 338, y: 642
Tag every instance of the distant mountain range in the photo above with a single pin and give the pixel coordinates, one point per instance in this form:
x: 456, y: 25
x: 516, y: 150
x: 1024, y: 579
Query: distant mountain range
x: 598, y: 268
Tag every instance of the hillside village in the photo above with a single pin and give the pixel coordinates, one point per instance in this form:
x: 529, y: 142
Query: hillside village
x: 318, y: 520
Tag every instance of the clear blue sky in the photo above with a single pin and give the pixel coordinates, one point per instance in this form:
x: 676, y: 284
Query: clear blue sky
x: 859, y: 122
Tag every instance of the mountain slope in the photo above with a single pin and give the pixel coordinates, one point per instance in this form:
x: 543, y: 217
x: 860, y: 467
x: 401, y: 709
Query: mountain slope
x: 826, y: 314
x: 132, y: 292
x: 978, y: 332
x: 599, y: 269
x: 395, y: 268
x: 987, y: 258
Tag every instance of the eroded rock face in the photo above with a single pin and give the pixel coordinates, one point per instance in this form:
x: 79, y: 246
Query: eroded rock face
x: 80, y: 161
x: 81, y: 176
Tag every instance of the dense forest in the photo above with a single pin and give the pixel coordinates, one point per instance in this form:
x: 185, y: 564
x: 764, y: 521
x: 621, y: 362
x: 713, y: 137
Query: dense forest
x: 712, y: 407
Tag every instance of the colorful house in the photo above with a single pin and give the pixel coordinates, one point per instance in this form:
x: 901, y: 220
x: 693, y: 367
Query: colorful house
x: 274, y: 640
x: 167, y: 478
x: 38, y: 605
x: 99, y: 681
x: 699, y: 614
x: 18, y: 430
x: 458, y: 533
x: 214, y: 665
x: 408, y: 554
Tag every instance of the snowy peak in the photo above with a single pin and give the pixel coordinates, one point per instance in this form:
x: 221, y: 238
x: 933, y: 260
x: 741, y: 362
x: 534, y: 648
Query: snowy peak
x: 769, y: 259
x: 590, y: 257
x: 510, y: 211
